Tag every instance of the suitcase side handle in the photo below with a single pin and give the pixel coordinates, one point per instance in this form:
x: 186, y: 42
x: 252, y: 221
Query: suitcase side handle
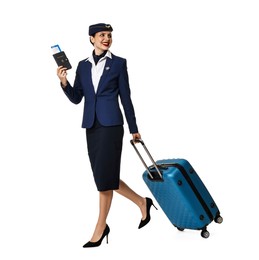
x: 149, y: 155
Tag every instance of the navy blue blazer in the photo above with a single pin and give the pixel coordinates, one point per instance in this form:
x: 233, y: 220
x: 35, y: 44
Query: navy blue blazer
x: 104, y: 103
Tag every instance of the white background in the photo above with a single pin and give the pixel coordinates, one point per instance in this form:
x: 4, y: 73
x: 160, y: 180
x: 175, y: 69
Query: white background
x: 193, y: 68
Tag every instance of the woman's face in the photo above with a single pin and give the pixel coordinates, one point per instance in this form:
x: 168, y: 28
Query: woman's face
x: 102, y: 41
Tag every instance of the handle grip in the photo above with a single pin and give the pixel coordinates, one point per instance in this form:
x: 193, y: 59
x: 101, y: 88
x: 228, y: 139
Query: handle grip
x: 149, y: 155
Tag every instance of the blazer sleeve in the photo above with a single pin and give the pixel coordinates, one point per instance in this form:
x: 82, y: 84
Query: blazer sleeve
x: 75, y: 93
x: 125, y: 96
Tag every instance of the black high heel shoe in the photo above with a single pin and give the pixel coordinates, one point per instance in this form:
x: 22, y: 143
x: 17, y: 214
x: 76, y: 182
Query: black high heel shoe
x: 98, y: 243
x: 147, y: 219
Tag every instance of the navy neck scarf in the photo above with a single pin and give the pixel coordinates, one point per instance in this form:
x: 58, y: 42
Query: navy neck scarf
x: 98, y: 57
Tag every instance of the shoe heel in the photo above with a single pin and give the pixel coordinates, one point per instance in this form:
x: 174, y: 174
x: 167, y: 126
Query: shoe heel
x: 107, y: 239
x: 154, y: 206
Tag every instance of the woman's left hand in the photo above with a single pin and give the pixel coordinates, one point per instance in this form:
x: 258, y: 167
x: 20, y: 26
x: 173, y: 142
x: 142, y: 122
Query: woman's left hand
x: 136, y: 136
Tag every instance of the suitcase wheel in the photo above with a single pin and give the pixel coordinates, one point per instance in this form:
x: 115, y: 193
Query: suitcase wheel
x: 219, y: 219
x: 205, y: 233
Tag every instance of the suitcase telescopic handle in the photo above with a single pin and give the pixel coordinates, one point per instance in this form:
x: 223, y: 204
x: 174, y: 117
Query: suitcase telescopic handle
x: 149, y: 155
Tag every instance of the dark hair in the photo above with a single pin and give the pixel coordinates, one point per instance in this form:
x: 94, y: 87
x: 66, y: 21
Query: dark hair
x: 90, y: 39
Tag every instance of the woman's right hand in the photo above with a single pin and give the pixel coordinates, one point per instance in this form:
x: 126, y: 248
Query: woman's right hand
x: 62, y: 74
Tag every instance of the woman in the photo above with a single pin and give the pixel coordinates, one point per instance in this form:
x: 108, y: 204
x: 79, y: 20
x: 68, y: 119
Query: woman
x: 101, y: 79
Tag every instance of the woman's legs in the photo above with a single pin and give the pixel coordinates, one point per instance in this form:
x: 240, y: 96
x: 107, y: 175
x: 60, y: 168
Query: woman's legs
x: 127, y: 192
x: 105, y: 200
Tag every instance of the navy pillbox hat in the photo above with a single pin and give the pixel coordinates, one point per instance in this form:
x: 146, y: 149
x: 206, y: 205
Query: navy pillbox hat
x: 99, y: 27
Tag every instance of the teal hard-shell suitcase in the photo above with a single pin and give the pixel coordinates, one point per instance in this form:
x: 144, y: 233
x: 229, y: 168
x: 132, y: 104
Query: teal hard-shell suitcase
x: 180, y: 193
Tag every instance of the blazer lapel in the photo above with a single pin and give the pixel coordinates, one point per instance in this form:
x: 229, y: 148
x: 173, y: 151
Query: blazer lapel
x: 106, y: 70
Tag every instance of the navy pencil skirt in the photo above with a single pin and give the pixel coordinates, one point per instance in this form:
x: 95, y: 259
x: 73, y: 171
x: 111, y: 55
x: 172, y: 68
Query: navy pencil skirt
x: 104, y: 144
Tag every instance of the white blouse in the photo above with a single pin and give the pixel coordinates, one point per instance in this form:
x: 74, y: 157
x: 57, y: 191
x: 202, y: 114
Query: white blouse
x: 97, y: 70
